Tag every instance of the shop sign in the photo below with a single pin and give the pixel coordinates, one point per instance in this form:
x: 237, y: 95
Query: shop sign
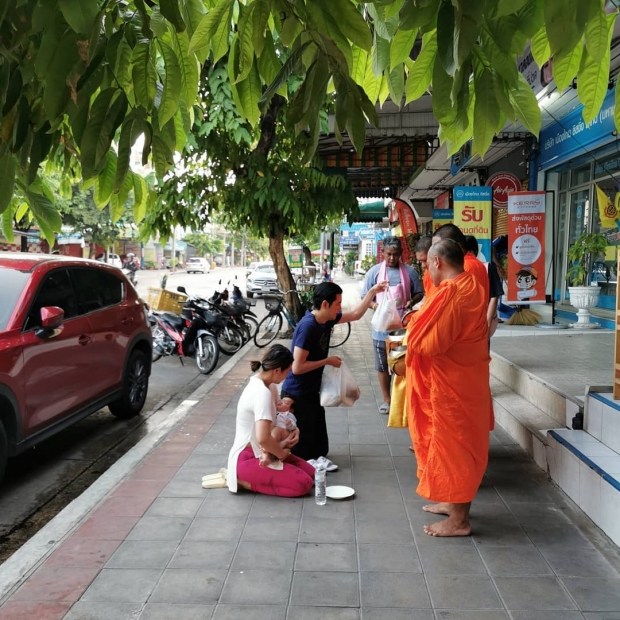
x: 441, y: 217
x: 295, y: 258
x: 503, y: 183
x: 443, y: 201
x: 460, y: 158
x: 526, y: 248
x: 536, y: 78
x: 472, y: 214
x: 406, y: 217
x: 570, y: 136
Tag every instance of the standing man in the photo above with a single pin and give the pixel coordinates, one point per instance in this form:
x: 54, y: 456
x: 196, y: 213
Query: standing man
x: 310, y: 348
x: 448, y: 389
x: 405, y: 287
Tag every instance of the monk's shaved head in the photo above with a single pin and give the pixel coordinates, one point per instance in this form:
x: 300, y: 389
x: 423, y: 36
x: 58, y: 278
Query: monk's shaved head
x: 450, y: 231
x: 424, y: 244
x: 449, y: 252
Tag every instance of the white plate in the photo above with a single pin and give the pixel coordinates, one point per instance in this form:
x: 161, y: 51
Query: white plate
x: 339, y: 492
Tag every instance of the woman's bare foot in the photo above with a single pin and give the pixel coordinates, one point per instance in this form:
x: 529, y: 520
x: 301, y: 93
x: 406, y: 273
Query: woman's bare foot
x: 443, y: 508
x: 448, y: 527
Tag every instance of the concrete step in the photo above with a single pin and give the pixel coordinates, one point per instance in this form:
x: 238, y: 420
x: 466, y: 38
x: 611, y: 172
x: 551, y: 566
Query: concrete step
x: 522, y: 420
x: 547, y: 398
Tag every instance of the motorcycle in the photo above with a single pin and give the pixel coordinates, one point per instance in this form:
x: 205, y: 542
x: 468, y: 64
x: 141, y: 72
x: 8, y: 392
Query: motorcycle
x: 188, y: 335
x: 130, y: 275
x: 238, y: 309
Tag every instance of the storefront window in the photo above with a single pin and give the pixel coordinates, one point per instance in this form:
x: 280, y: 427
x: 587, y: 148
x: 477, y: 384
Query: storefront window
x: 563, y: 181
x: 604, y: 269
x: 607, y: 166
x: 580, y: 176
x: 560, y: 245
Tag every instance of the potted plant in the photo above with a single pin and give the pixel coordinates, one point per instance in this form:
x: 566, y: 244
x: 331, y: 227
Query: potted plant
x: 582, y: 296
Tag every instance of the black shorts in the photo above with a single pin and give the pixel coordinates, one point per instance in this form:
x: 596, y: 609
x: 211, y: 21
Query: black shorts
x: 313, y: 440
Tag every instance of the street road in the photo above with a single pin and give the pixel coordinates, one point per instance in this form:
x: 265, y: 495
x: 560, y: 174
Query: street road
x: 43, y: 480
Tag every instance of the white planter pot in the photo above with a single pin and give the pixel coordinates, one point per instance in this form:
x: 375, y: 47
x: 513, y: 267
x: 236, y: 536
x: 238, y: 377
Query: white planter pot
x: 583, y: 298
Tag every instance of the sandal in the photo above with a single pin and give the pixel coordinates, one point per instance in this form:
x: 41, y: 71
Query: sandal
x: 328, y: 465
x: 384, y: 408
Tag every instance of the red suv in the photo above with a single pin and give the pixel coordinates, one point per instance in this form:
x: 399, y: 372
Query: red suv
x: 74, y: 337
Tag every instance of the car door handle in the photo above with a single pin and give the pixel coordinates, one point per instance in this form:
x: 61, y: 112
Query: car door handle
x: 84, y: 339
x: 128, y: 320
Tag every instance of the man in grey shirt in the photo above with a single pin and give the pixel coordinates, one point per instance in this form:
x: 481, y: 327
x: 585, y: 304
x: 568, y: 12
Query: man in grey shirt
x: 405, y: 287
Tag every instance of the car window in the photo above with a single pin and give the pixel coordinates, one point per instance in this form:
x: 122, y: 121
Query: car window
x: 56, y: 290
x: 96, y: 289
x: 12, y: 284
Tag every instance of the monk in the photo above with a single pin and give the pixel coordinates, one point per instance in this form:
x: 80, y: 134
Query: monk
x: 421, y: 251
x: 447, y: 368
x: 472, y: 264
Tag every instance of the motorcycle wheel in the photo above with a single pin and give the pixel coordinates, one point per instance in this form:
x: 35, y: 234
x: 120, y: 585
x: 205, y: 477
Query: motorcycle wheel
x: 207, y: 362
x: 252, y: 325
x: 158, y: 336
x: 230, y: 339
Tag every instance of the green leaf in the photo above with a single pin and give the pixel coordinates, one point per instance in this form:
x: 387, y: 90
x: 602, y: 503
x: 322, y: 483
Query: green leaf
x: 283, y: 75
x: 565, y: 67
x: 350, y: 22
x: 208, y: 27
x: 7, y: 180
x: 384, y: 89
x: 592, y: 83
x: 104, y: 183
x: 246, y: 47
x: 414, y: 17
x: 421, y: 75
x: 507, y: 7
x: 56, y: 93
x: 147, y: 33
x: 158, y: 22
x: 80, y: 14
x: 401, y: 47
x: 396, y: 83
x: 565, y: 21
x: 525, y: 106
x: 188, y: 66
x: 172, y: 86
x: 380, y: 55
x: 596, y: 30
x: 122, y: 69
x: 372, y: 83
x: 94, y: 134
x: 118, y: 200
x: 541, y: 50
x: 358, y: 69
x: 221, y: 39
x: 45, y: 214
x: 144, y: 75
x: 486, y: 112
x: 140, y: 195
x: 260, y: 18
x: 504, y: 63
x: 356, y: 128
x: 124, y: 154
x: 171, y: 11
x: 7, y: 225
x: 445, y: 37
x: 531, y: 18
x: 250, y: 95
x: 193, y: 11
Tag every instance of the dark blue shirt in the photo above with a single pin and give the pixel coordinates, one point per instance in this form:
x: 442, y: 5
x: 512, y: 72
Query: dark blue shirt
x: 313, y: 337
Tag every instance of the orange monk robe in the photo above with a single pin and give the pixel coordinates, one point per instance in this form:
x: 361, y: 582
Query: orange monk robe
x: 427, y: 283
x: 479, y: 271
x: 448, y: 390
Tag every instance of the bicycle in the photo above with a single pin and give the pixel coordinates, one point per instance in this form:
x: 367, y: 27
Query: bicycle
x: 270, y: 326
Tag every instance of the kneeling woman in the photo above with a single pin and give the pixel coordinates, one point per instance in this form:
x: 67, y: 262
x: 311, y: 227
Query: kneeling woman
x: 290, y: 476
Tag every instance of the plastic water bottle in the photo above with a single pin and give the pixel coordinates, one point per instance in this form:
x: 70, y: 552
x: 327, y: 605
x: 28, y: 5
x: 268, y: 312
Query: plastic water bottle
x: 319, y: 485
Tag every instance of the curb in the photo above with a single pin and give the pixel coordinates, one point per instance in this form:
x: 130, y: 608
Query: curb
x: 50, y: 536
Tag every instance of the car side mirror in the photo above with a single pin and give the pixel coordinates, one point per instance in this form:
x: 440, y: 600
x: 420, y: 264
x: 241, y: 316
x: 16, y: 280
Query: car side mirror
x: 182, y: 289
x: 51, y: 320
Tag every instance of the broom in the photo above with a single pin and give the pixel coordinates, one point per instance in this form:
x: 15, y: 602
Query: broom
x: 523, y: 316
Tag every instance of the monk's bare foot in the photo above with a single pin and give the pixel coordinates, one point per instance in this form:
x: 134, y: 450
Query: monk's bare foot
x: 443, y: 508
x: 448, y: 528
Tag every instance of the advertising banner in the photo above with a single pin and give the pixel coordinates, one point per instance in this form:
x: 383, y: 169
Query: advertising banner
x: 441, y: 217
x: 406, y: 217
x: 295, y: 258
x: 472, y: 214
x: 526, y: 248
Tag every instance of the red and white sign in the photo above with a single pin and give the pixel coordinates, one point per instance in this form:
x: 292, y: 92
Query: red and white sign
x: 526, y: 248
x: 443, y: 200
x: 406, y: 217
x: 503, y: 183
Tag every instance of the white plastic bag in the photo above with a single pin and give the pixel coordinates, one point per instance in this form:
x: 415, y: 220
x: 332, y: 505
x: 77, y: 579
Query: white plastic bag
x: 386, y: 316
x: 338, y: 388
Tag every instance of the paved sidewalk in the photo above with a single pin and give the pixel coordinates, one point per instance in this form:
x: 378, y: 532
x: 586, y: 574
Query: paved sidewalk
x: 160, y: 547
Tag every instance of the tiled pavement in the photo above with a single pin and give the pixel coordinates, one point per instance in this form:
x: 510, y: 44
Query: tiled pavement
x: 160, y: 547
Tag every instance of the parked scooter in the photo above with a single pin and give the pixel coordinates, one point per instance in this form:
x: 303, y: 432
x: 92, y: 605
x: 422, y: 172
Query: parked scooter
x: 238, y: 309
x: 130, y: 275
x: 188, y: 335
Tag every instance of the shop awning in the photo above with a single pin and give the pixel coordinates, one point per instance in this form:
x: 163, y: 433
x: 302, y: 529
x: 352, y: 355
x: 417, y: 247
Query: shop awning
x: 372, y: 212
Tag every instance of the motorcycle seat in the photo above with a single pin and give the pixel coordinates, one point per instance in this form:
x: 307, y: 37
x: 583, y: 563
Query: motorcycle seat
x: 172, y: 319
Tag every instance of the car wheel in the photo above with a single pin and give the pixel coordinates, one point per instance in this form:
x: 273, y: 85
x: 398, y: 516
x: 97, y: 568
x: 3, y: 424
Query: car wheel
x: 135, y: 387
x: 4, y: 451
x: 249, y: 295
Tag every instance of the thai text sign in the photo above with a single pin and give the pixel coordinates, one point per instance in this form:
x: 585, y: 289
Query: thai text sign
x: 526, y: 248
x: 472, y: 214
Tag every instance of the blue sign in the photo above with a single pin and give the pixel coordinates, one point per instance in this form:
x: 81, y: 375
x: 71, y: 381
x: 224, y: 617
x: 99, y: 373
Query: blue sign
x: 443, y: 214
x: 460, y: 158
x: 570, y: 136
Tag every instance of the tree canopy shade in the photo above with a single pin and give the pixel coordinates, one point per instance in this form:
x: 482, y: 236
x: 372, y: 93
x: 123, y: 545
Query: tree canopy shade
x: 77, y: 76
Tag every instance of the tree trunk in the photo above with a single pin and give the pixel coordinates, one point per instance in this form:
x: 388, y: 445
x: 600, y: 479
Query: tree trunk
x: 285, y: 277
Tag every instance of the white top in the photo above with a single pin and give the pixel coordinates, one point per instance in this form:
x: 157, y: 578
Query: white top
x: 286, y: 420
x: 257, y: 402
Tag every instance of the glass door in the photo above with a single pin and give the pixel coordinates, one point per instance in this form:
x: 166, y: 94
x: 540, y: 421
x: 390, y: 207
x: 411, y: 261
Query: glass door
x: 579, y: 215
